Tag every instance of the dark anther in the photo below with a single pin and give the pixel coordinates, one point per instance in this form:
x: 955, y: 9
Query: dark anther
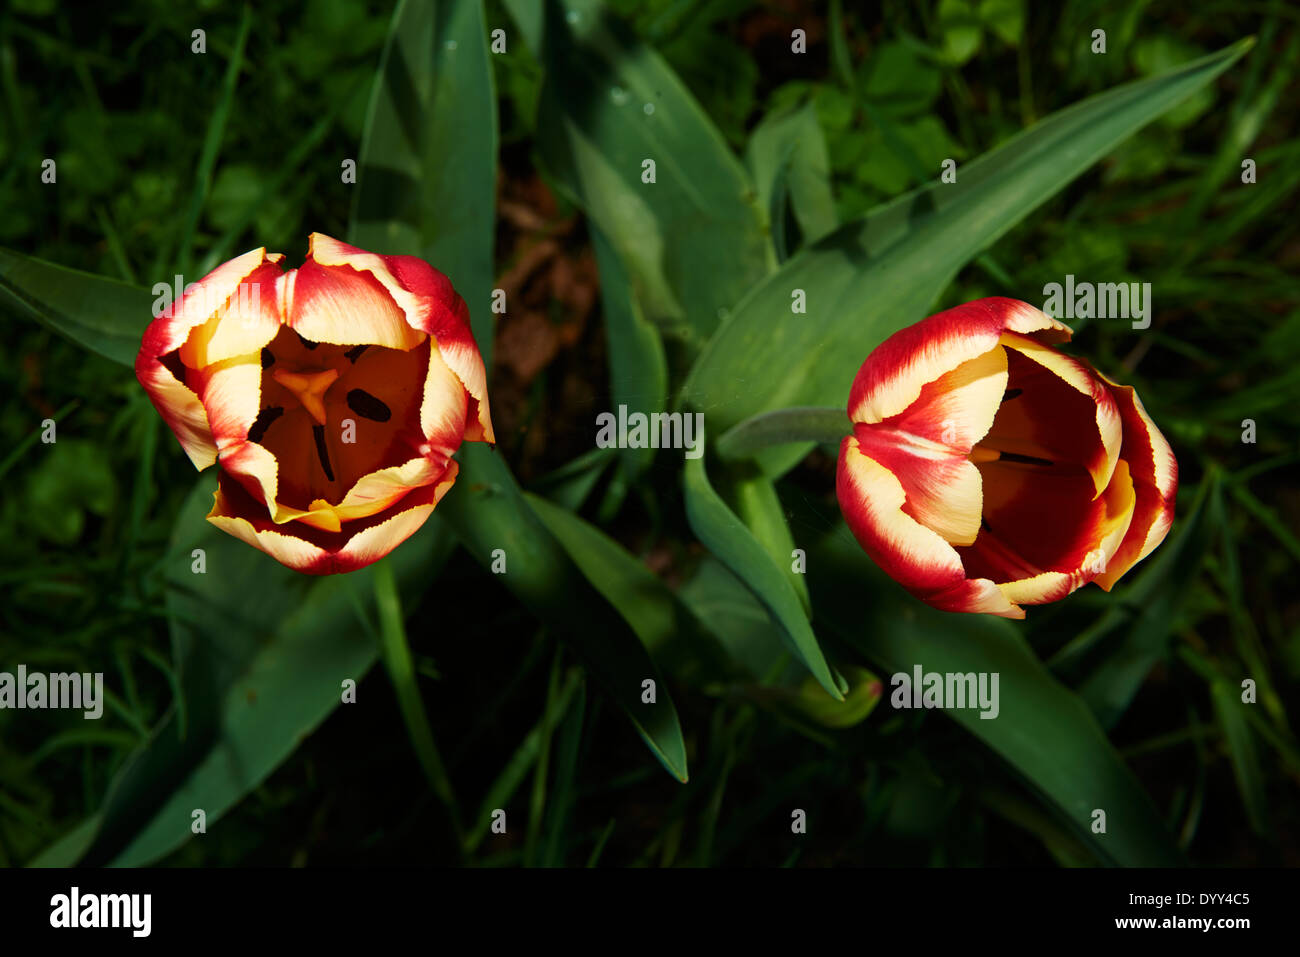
x: 267, y: 357
x: 1011, y: 394
x: 354, y: 353
x: 1026, y: 459
x: 264, y: 420
x: 368, y: 407
x: 306, y: 343
x: 318, y: 431
x: 984, y: 524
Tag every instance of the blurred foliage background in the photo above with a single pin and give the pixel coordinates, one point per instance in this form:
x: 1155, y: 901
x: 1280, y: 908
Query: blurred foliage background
x: 114, y: 94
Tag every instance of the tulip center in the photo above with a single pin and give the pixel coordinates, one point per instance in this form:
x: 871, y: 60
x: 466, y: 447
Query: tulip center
x: 1040, y: 510
x: 331, y: 414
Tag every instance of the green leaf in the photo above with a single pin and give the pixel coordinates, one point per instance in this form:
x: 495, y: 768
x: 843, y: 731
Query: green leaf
x: 1042, y: 730
x: 735, y: 617
x: 754, y: 499
x: 103, y: 315
x: 872, y: 277
x: 638, y: 370
x: 70, y: 479
x: 787, y: 158
x: 395, y: 650
x: 665, y: 626
x: 727, y: 537
x: 1006, y: 18
x: 960, y: 30
x: 488, y: 512
x: 263, y: 652
x: 693, y: 242
x: 426, y: 183
x: 1245, y: 755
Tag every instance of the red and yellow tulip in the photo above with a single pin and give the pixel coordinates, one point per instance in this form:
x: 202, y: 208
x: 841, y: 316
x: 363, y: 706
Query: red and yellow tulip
x: 332, y: 397
x: 987, y: 470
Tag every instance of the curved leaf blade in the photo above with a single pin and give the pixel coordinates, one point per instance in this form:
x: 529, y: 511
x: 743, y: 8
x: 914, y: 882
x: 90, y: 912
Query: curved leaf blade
x: 488, y: 512
x: 693, y: 241
x: 99, y: 314
x: 727, y: 537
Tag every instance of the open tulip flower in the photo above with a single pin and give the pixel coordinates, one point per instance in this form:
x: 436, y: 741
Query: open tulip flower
x: 331, y: 396
x: 987, y: 470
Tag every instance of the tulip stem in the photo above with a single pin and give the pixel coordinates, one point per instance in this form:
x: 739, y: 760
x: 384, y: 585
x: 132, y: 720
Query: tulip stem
x: 401, y: 670
x: 784, y: 427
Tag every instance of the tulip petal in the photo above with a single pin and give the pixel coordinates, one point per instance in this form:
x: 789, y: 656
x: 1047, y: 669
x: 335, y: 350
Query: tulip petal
x: 231, y: 391
x: 444, y: 406
x: 1155, y: 481
x: 872, y: 500
x: 179, y: 407
x: 346, y: 306
x: 431, y: 305
x: 318, y: 552
x: 926, y: 446
x: 895, y: 373
x: 176, y: 400
x: 246, y: 320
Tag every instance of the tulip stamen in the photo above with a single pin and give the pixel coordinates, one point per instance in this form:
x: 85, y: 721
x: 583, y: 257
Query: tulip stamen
x: 1011, y: 394
x: 1025, y: 459
x: 306, y: 343
x: 268, y: 357
x: 263, y: 422
x: 368, y: 407
x: 981, y: 454
x: 318, y: 433
x: 354, y: 353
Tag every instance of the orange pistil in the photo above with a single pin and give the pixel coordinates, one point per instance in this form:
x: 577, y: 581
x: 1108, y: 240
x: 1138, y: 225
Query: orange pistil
x: 308, y: 388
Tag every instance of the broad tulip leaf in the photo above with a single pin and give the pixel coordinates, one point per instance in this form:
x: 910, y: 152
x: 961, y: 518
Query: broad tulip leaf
x: 1044, y: 731
x: 667, y: 628
x: 99, y: 314
x: 756, y: 503
x: 738, y: 620
x: 693, y: 241
x: 787, y: 157
x: 727, y: 537
x: 872, y: 277
x: 426, y: 185
x: 488, y: 512
x: 263, y: 652
x: 638, y: 371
